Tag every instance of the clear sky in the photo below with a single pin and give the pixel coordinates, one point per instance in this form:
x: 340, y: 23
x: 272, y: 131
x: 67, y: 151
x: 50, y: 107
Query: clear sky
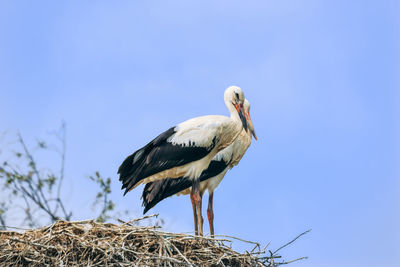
x: 322, y: 78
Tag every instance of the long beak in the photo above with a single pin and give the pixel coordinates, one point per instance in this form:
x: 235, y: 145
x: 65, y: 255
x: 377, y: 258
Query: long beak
x: 251, y: 127
x: 242, y: 115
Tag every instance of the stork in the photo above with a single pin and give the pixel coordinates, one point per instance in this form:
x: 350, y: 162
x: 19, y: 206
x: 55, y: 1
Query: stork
x: 226, y: 159
x: 186, y: 150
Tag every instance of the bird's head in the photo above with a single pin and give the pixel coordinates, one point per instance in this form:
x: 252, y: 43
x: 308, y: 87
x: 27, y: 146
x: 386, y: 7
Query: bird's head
x: 234, y: 97
x: 246, y: 106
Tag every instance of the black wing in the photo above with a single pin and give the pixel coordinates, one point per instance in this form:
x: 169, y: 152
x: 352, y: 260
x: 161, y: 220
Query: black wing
x: 156, y: 191
x: 157, y: 156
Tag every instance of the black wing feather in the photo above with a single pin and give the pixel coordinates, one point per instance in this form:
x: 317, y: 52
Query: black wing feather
x: 157, y: 156
x: 155, y: 192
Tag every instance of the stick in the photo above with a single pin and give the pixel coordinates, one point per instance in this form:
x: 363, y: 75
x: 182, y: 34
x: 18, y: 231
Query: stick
x: 287, y: 244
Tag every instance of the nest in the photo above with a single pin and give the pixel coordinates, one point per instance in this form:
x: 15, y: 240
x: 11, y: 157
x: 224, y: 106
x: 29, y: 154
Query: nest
x: 89, y: 243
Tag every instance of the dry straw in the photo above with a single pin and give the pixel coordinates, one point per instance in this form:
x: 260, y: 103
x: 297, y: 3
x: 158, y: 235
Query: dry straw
x: 89, y: 243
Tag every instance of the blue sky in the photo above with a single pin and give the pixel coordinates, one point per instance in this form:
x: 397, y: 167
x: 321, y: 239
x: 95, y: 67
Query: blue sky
x: 322, y: 78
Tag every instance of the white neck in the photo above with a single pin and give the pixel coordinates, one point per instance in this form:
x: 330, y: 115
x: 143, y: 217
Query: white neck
x: 232, y: 111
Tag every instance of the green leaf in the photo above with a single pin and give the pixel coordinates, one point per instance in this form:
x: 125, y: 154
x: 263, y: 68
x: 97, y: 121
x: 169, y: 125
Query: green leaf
x: 111, y: 205
x: 8, y: 181
x: 42, y: 144
x: 40, y: 184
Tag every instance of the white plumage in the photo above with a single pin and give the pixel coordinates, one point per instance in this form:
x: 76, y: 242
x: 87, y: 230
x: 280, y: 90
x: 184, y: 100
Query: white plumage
x: 231, y: 155
x: 199, y: 132
x: 187, y: 149
x: 223, y: 161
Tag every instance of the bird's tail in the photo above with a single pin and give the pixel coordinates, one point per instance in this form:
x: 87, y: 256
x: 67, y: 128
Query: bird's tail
x: 155, y: 192
x: 128, y: 168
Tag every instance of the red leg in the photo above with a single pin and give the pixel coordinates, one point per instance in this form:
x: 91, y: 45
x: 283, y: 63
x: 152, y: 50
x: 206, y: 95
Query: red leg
x: 210, y: 213
x: 199, y: 216
x: 193, y: 200
x: 197, y: 200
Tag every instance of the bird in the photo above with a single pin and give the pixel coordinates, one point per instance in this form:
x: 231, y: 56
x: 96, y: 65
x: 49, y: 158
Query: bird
x: 186, y: 149
x: 226, y: 159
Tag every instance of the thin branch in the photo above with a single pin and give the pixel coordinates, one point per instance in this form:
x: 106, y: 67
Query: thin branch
x: 63, y: 152
x: 138, y: 219
x: 2, y: 222
x: 287, y: 244
x: 28, y: 213
x: 287, y: 262
x: 35, y: 170
x: 67, y: 216
x: 251, y: 242
x: 39, y: 203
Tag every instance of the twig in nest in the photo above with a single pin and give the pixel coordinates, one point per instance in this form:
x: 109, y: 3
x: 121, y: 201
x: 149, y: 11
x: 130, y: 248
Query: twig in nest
x: 138, y: 219
x: 290, y: 242
x: 93, y: 243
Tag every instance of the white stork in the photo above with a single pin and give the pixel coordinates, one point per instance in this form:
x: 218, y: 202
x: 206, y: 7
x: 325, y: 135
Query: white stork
x: 186, y: 150
x: 225, y: 160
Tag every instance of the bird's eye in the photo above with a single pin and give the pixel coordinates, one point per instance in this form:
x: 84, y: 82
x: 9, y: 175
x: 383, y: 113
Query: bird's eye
x: 237, y: 96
